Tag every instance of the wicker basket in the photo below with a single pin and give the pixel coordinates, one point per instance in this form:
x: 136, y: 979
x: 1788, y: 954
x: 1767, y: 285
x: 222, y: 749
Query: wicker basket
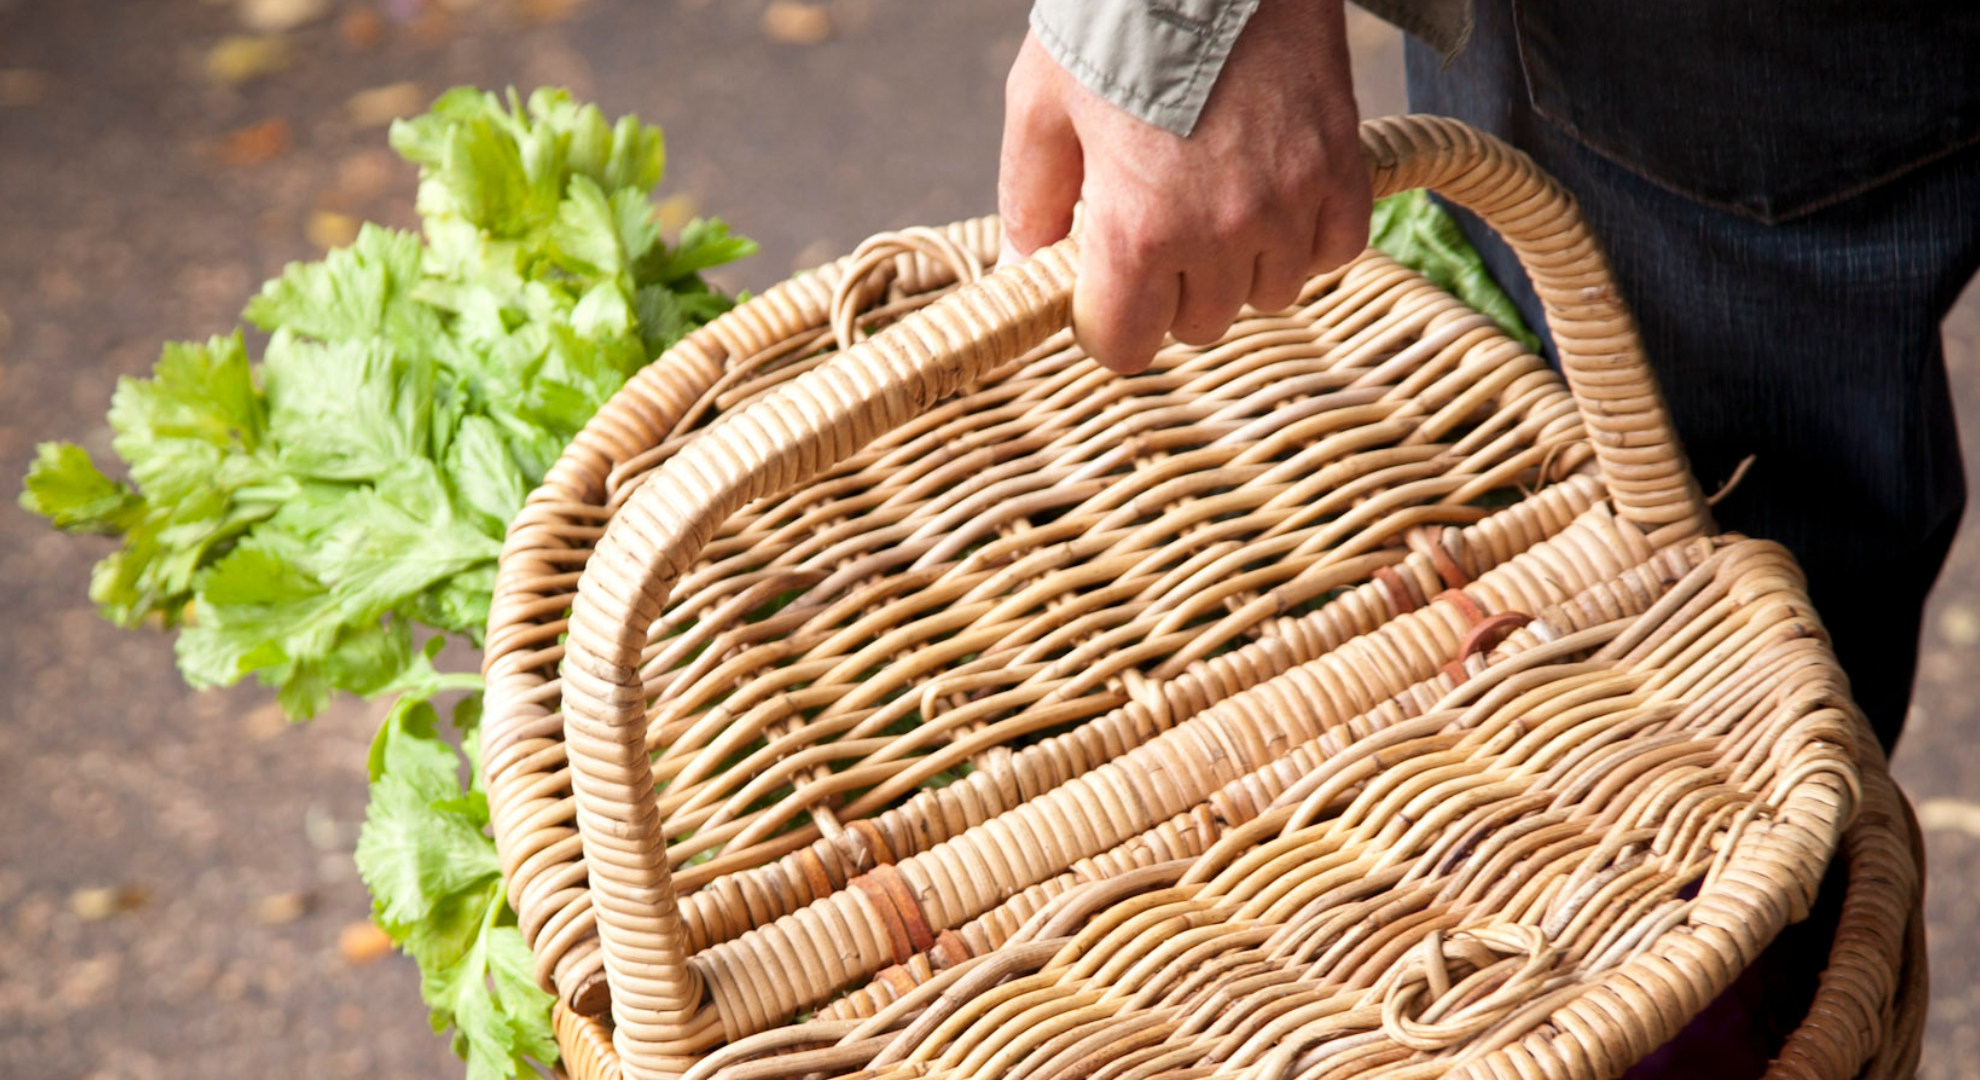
x: 1352, y: 697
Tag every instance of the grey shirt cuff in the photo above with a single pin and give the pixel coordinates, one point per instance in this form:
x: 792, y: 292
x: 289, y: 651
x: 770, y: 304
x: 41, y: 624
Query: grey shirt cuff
x: 1155, y: 59
x: 1158, y: 59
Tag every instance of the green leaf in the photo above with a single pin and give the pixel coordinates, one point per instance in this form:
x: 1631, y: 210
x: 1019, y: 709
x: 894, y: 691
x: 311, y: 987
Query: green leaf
x: 357, y: 293
x: 638, y: 159
x: 153, y: 573
x: 554, y: 379
x: 65, y: 486
x: 663, y: 319
x: 408, y: 746
x: 489, y: 993
x: 458, y: 605
x: 584, y: 235
x: 423, y: 139
x: 355, y: 410
x: 485, y: 475
x: 1413, y: 230
x: 485, y: 165
x: 599, y: 235
x: 366, y: 661
x: 415, y: 857
x: 188, y: 430
x: 603, y: 313
x: 300, y: 602
x: 392, y: 541
x: 436, y: 888
x: 199, y: 392
x: 256, y: 609
x: 705, y: 243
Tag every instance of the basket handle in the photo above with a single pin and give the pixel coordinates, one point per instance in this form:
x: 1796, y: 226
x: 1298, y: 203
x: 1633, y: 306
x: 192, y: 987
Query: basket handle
x: 808, y: 425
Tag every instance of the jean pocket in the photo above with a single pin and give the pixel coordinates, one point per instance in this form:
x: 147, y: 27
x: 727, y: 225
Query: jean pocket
x: 1767, y: 108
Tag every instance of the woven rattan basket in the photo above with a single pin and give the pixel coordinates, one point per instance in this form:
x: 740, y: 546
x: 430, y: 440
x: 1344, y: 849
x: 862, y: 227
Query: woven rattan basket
x: 1352, y: 697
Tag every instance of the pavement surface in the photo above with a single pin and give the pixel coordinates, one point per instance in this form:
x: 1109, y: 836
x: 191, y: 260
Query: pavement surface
x: 176, y: 891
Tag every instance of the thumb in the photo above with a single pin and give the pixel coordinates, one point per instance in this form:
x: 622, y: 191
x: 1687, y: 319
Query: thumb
x: 1038, y: 177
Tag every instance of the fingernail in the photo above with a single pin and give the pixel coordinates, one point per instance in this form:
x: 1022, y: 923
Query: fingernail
x: 1006, y: 255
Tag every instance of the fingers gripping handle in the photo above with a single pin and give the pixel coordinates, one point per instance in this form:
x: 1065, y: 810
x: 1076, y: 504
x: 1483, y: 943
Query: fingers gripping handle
x: 819, y: 419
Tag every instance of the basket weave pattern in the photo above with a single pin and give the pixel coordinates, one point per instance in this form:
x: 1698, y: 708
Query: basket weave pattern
x: 1353, y: 696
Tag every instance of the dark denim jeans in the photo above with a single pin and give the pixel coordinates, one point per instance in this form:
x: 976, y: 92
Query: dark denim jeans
x: 1789, y: 193
x: 1789, y: 241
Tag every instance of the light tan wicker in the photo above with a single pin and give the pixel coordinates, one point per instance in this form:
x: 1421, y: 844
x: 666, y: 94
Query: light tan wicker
x: 1350, y: 697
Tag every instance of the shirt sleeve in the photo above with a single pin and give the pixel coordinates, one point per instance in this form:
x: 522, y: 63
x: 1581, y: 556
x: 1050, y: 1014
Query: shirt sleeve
x: 1155, y: 59
x: 1158, y: 59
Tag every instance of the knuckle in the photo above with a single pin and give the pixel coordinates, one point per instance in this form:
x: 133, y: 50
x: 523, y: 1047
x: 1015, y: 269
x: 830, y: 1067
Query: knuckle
x: 1139, y: 241
x: 1348, y: 235
x: 1293, y: 188
x: 1237, y: 218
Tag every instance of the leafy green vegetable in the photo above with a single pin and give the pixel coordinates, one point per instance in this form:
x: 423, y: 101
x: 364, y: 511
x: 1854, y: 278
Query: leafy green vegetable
x: 1413, y: 230
x: 65, y: 487
x: 308, y: 519
x: 436, y: 888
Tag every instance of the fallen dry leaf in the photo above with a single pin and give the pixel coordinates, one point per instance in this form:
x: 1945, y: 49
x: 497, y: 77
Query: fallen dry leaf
x: 432, y: 28
x: 675, y: 211
x: 327, y: 229
x: 381, y: 105
x: 361, y: 27
x: 362, y: 942
x: 369, y: 173
x: 795, y: 23
x: 276, y: 16
x: 548, y: 11
x: 1959, y: 625
x: 266, y: 722
x: 254, y: 144
x: 95, y: 905
x: 281, y: 908
x: 1954, y: 815
x: 240, y: 59
x: 22, y: 86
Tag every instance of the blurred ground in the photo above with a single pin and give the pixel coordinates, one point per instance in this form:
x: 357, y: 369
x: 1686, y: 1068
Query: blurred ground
x: 176, y: 895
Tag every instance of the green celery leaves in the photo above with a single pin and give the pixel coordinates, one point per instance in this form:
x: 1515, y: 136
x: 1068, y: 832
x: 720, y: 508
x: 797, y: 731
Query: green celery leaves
x: 436, y: 888
x: 307, y: 520
x: 1413, y: 230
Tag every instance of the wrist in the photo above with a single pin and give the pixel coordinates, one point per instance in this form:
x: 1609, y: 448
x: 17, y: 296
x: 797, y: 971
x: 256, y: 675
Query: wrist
x: 1157, y: 64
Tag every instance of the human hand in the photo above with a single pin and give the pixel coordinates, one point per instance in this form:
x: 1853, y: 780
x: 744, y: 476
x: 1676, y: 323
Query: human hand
x: 1179, y: 233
